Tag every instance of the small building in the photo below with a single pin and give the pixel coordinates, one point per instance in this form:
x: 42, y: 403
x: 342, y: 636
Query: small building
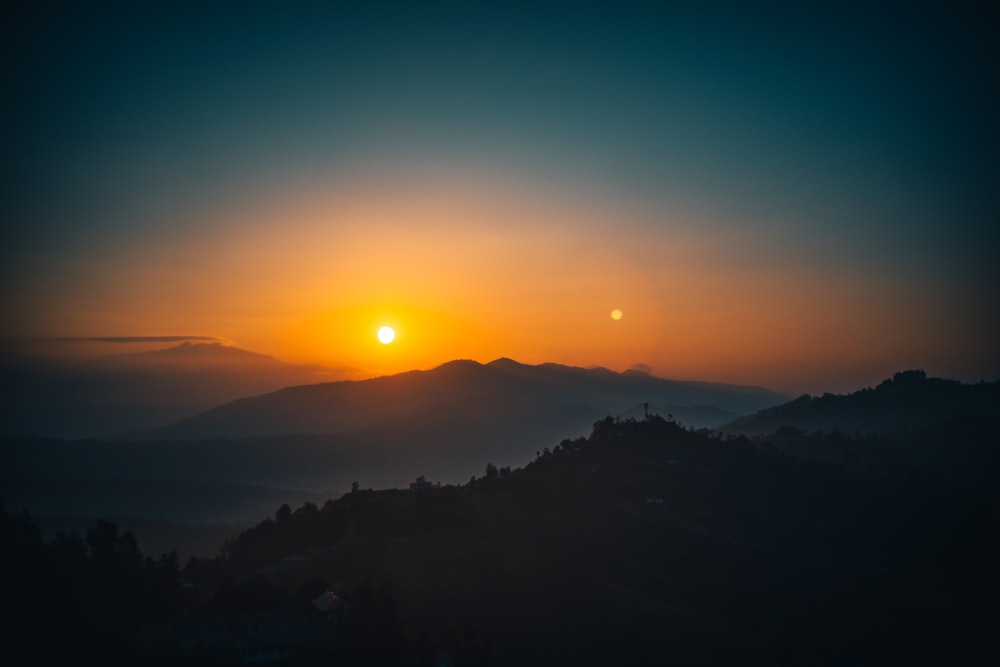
x: 330, y: 607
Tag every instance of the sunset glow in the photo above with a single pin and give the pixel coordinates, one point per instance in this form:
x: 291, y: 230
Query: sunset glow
x: 435, y: 258
x: 485, y: 233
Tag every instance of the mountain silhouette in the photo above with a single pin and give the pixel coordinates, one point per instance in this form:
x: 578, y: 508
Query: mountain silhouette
x: 906, y: 401
x: 194, y: 354
x: 320, y: 438
x: 909, y: 421
x: 70, y: 399
x: 348, y: 406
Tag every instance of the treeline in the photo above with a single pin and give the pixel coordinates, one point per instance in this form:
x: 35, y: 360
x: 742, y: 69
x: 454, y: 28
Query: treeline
x: 91, y: 596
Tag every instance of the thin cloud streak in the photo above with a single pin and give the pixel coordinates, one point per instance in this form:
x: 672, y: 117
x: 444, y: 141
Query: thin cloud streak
x: 125, y: 339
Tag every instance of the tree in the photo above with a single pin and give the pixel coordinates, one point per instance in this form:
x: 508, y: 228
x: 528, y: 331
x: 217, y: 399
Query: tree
x: 307, y: 508
x: 109, y: 549
x: 603, y: 425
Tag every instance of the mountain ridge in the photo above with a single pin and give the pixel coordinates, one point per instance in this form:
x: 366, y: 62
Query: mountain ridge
x: 92, y: 397
x: 196, y: 353
x: 908, y: 400
x: 348, y: 405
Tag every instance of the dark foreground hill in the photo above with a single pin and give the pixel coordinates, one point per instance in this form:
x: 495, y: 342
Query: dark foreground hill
x: 643, y: 544
x: 646, y: 544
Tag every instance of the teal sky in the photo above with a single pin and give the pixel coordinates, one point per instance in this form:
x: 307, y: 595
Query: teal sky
x: 857, y: 138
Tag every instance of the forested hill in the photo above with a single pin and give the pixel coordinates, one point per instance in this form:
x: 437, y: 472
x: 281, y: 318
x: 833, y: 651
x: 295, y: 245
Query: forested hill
x: 647, y: 544
x: 908, y: 401
x: 644, y: 544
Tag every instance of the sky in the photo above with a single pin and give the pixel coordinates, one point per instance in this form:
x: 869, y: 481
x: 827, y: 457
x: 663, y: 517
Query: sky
x: 799, y: 197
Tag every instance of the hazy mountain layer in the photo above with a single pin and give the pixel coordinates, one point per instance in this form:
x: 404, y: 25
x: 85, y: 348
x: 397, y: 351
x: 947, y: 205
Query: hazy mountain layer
x: 445, y: 424
x: 185, y: 500
x: 96, y: 397
x: 450, y: 443
x: 340, y: 407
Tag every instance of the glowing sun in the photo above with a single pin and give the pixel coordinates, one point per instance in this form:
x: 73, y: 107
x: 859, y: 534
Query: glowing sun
x: 616, y: 314
x: 386, y: 335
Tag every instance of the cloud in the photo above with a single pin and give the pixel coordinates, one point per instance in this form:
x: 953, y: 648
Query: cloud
x: 134, y: 339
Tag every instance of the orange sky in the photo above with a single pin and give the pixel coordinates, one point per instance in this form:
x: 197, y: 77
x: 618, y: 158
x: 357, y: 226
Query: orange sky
x: 766, y: 201
x: 467, y: 271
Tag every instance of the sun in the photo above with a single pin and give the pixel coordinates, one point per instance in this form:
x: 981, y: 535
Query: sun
x: 616, y: 314
x: 386, y: 335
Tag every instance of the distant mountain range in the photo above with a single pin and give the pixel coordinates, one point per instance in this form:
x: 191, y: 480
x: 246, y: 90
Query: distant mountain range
x: 349, y: 406
x: 228, y: 464
x: 446, y: 423
x: 187, y: 354
x: 192, y: 388
x: 71, y: 399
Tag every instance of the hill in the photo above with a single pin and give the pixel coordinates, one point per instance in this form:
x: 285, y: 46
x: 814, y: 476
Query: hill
x: 909, y: 400
x: 347, y: 406
x: 71, y: 399
x: 907, y: 422
x: 643, y: 544
x: 188, y: 354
